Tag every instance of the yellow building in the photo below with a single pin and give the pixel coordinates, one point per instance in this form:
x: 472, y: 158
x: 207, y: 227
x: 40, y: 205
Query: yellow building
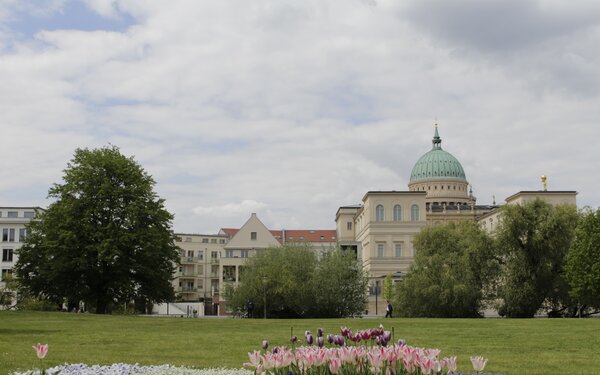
x: 380, y: 230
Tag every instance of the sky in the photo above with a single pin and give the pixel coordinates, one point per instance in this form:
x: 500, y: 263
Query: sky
x: 291, y: 109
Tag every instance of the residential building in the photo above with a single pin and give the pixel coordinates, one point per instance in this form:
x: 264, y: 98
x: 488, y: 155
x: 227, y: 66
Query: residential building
x: 201, y: 278
x: 12, y: 227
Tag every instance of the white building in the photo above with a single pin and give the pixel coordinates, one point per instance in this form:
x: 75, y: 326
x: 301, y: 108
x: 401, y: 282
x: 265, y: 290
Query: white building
x: 12, y: 227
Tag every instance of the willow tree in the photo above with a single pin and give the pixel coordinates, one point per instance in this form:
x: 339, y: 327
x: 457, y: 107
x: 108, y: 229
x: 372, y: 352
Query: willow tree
x: 105, y: 240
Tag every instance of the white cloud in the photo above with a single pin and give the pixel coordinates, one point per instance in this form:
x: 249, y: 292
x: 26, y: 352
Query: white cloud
x: 295, y: 108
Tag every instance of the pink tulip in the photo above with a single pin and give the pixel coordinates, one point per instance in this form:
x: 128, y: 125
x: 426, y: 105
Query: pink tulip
x: 41, y: 350
x: 334, y: 365
x: 450, y: 364
x: 478, y: 363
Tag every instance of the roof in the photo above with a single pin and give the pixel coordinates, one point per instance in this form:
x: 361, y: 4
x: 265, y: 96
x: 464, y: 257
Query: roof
x: 295, y: 235
x: 437, y: 164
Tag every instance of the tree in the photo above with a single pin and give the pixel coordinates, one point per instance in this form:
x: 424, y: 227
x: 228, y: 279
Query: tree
x: 298, y: 284
x: 583, y: 263
x: 340, y: 286
x: 532, y: 241
x: 388, y: 287
x: 106, y: 239
x: 454, y: 263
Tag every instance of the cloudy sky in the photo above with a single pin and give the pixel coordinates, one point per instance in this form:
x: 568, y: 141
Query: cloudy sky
x: 292, y: 108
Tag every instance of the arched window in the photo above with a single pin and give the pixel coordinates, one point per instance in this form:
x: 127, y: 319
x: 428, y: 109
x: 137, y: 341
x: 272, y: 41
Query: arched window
x: 414, y: 213
x: 379, y: 214
x: 397, y: 213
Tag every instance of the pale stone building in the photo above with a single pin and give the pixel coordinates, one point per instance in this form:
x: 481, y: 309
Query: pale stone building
x: 12, y: 227
x: 208, y: 262
x: 380, y: 230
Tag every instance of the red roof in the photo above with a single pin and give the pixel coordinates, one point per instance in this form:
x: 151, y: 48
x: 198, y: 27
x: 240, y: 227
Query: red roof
x: 295, y: 235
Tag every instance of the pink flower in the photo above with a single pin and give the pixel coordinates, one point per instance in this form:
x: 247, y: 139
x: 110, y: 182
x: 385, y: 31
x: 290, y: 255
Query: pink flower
x: 41, y: 350
x: 450, y: 364
x: 334, y: 365
x: 478, y: 363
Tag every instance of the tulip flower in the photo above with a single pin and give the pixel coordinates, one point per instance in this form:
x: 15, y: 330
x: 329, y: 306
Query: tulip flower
x: 294, y: 339
x: 265, y: 344
x: 478, y: 363
x: 41, y: 350
x: 309, y: 339
x: 450, y: 364
x: 320, y: 341
x: 319, y: 332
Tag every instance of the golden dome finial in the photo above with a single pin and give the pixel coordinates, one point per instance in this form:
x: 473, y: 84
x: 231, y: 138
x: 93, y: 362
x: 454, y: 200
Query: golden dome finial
x: 543, y: 177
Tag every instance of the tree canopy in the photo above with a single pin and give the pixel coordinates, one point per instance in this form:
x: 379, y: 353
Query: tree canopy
x: 106, y: 239
x: 532, y: 239
x: 453, y: 264
x: 300, y: 284
x: 583, y: 262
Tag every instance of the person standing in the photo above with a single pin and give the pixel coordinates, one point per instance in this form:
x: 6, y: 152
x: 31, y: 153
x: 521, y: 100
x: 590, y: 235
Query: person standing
x: 388, y: 310
x: 250, y: 308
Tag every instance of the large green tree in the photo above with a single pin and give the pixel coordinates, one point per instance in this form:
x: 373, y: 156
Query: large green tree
x: 454, y: 264
x: 299, y: 284
x: 533, y: 239
x: 106, y: 238
x: 583, y: 263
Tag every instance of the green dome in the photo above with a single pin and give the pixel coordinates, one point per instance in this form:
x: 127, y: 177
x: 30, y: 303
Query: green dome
x: 437, y: 164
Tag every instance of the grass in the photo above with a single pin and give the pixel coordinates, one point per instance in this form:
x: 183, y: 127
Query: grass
x: 528, y: 346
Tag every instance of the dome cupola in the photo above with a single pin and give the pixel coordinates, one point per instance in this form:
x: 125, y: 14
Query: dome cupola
x: 437, y: 164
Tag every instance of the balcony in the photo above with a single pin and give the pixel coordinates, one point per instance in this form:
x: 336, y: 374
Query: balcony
x: 187, y: 274
x: 185, y: 260
x: 186, y: 289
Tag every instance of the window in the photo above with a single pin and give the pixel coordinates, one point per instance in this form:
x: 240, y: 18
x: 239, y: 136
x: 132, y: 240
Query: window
x: 380, y: 250
x: 228, y: 273
x: 190, y: 253
x: 205, y: 240
x: 253, y: 236
x: 414, y: 213
x: 188, y: 239
x: 201, y: 283
x: 244, y: 253
x: 214, y: 254
x: 397, y: 213
x: 28, y: 214
x: 6, y: 274
x: 7, y: 255
x: 213, y: 240
x: 11, y: 235
x: 228, y: 253
x: 222, y: 240
x: 379, y: 213
x: 5, y: 235
x: 13, y: 214
x: 349, y: 225
x: 200, y: 254
x: 398, y: 250
x: 322, y: 238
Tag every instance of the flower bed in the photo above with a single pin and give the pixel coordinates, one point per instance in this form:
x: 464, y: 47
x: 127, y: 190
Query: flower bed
x: 126, y: 369
x: 366, y: 352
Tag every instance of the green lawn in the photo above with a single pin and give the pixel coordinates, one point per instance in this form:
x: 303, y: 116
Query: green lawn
x: 528, y: 346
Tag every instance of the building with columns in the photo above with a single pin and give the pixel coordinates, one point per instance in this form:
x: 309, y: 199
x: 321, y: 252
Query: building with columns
x: 381, y: 228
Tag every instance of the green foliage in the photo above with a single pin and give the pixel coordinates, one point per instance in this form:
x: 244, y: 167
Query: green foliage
x: 299, y: 284
x: 388, y: 287
x: 533, y: 239
x: 583, y: 261
x: 105, y: 240
x: 453, y: 265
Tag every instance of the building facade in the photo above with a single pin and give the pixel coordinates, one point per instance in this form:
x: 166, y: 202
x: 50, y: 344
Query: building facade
x: 380, y: 230
x: 209, y: 262
x: 12, y: 227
